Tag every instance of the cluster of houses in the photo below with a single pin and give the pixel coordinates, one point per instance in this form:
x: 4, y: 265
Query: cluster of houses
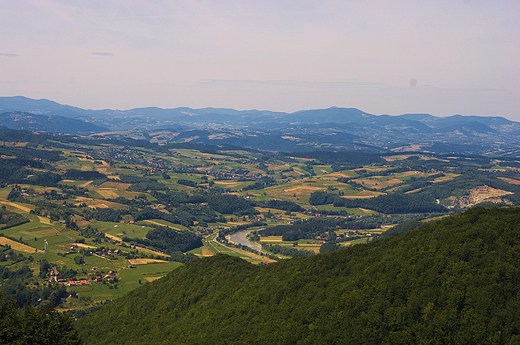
x: 101, y: 252
x: 75, y: 283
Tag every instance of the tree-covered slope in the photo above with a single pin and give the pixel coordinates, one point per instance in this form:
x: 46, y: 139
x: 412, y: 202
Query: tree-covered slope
x: 452, y: 282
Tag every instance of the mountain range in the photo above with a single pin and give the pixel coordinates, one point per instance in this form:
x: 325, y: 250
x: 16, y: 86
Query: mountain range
x: 323, y: 129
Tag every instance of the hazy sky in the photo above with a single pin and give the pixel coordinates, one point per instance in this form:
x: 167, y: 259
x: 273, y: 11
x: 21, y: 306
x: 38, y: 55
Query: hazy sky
x: 441, y: 57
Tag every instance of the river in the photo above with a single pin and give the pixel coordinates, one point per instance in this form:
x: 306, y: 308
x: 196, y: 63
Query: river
x: 241, y: 238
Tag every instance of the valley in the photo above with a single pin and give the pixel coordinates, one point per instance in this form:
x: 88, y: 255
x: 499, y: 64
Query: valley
x: 95, y: 218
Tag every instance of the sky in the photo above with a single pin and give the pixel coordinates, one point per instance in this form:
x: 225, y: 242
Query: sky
x: 440, y: 57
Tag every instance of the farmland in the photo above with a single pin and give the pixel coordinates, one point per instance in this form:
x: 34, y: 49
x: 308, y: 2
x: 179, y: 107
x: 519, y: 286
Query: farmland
x: 139, y: 210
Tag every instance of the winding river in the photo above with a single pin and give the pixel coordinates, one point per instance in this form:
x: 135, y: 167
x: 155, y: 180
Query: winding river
x: 241, y: 238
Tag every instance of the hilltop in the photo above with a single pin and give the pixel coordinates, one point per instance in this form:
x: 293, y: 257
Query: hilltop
x: 454, y: 281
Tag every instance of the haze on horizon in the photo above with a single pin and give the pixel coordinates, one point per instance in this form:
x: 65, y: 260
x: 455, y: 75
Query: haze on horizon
x: 384, y: 57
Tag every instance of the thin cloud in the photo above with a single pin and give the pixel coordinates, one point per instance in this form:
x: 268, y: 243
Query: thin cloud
x: 9, y: 54
x: 347, y: 84
x: 100, y: 53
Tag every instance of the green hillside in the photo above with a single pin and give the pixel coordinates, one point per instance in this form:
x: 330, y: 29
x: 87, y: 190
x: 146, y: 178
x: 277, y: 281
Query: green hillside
x: 451, y: 282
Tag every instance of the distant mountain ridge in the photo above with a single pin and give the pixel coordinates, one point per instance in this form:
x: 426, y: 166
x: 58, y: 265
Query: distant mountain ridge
x: 54, y: 123
x: 333, y: 128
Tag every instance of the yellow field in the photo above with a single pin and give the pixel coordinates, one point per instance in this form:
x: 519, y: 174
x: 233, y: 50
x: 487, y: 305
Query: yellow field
x: 83, y: 245
x: 146, y: 250
x: 17, y: 246
x: 339, y: 174
x: 253, y: 255
x: 156, y: 223
x: 363, y: 195
x: 413, y: 191
x: 98, y: 206
x: 107, y: 193
x: 302, y: 190
x: 83, y: 185
x: 206, y: 252
x: 144, y: 261
x: 151, y: 279
x: 445, y: 178
x: 510, y: 180
x: 44, y: 220
x: 228, y: 184
x: 271, y: 239
x: 313, y: 248
x: 113, y: 237
x: 395, y: 158
x: 20, y: 207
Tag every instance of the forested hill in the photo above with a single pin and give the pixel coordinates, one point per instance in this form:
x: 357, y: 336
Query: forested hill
x: 455, y: 281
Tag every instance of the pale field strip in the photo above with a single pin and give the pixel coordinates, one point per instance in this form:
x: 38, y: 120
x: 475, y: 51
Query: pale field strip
x: 15, y: 205
x: 445, y: 178
x: 271, y: 239
x: 363, y: 195
x: 157, y: 223
x: 236, y: 223
x: 84, y: 185
x: 151, y: 279
x: 103, y: 163
x: 228, y: 183
x: 340, y: 174
x: 413, y: 191
x: 17, y: 246
x: 113, y: 237
x: 107, y: 193
x: 141, y: 249
x: 510, y: 180
x: 394, y: 158
x: 144, y: 261
x: 302, y: 190
x: 252, y: 255
x: 83, y: 245
x: 98, y: 206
